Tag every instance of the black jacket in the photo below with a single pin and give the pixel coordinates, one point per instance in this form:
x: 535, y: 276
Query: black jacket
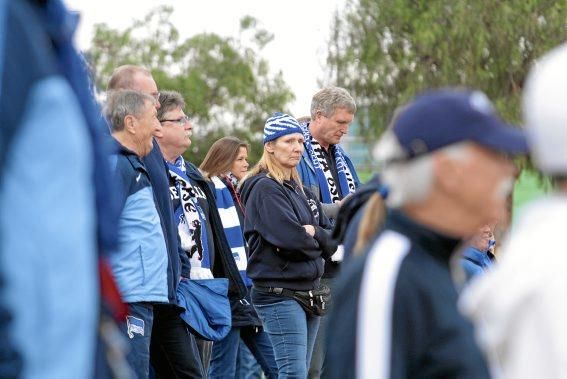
x: 243, y: 312
x: 428, y: 337
x: 282, y: 254
x: 351, y: 213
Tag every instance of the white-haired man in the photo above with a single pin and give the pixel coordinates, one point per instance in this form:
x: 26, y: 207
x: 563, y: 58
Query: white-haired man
x: 519, y: 306
x: 395, y: 309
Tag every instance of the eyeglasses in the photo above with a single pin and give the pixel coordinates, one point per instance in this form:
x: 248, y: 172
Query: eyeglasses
x: 180, y: 121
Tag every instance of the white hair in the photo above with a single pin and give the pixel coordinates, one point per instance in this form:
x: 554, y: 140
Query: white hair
x: 408, y: 180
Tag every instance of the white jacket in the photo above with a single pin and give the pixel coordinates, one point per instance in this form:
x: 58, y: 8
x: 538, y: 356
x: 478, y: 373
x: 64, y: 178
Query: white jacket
x: 520, y: 307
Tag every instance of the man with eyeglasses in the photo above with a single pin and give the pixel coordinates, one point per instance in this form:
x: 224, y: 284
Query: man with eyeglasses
x: 173, y: 350
x: 198, y: 221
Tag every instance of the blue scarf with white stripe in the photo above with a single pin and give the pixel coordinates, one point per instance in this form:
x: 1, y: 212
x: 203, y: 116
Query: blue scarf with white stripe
x: 232, y: 227
x: 327, y: 186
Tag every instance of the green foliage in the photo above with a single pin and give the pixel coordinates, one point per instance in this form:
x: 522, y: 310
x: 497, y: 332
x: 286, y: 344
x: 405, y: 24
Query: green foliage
x: 228, y: 87
x: 387, y: 51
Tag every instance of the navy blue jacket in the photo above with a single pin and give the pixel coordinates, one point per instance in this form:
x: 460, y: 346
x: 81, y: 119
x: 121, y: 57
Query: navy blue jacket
x: 352, y: 211
x: 428, y: 337
x: 282, y: 254
x: 178, y: 263
x: 139, y: 264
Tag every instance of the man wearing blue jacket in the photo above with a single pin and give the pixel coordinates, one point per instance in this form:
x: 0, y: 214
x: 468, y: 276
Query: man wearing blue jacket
x: 395, y: 312
x: 173, y: 348
x: 328, y: 172
x: 140, y: 263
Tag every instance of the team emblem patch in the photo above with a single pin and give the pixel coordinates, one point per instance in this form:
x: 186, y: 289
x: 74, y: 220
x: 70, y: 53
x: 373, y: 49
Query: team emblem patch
x: 135, y: 325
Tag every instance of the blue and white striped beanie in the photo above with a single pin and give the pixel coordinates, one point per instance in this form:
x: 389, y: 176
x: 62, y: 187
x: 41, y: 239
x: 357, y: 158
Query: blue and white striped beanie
x: 280, y: 124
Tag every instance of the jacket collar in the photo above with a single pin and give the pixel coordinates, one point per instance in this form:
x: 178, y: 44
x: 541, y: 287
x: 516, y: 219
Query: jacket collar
x: 132, y: 157
x: 431, y: 241
x: 193, y: 172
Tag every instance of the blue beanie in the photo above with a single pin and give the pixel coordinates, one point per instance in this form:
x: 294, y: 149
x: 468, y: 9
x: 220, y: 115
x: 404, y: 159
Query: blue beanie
x: 280, y: 124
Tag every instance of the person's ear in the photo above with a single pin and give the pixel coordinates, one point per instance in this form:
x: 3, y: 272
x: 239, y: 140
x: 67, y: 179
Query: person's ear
x: 269, y: 147
x: 130, y: 124
x: 447, y: 173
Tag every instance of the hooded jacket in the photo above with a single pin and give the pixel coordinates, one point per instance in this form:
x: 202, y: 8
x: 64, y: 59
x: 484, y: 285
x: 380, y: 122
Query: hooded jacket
x: 282, y: 253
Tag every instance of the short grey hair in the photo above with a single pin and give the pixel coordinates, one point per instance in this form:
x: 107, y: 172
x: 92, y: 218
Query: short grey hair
x: 409, y: 180
x: 329, y: 99
x: 169, y: 100
x: 122, y: 103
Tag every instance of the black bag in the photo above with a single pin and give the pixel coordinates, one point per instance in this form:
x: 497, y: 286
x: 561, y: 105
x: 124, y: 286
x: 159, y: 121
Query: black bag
x: 315, y: 302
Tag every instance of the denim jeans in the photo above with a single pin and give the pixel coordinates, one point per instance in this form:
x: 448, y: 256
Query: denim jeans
x: 174, y: 352
x: 246, y: 365
x: 291, y: 331
x: 138, y: 331
x: 225, y: 352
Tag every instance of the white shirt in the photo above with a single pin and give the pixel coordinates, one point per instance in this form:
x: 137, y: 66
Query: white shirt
x: 520, y: 307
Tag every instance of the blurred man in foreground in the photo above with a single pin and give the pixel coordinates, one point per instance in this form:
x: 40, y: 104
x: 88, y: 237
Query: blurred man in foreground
x: 403, y: 321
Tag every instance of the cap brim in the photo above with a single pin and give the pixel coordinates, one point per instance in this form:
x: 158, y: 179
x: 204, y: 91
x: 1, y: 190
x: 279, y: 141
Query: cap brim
x: 504, y: 138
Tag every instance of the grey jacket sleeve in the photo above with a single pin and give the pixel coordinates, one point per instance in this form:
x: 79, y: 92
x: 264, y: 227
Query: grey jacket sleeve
x: 331, y: 210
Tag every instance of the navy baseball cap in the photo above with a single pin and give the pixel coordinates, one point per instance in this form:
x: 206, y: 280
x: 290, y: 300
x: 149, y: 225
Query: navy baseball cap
x: 439, y: 118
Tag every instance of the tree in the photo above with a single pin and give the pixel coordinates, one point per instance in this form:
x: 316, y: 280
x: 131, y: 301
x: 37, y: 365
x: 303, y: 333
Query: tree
x: 387, y: 51
x: 228, y: 87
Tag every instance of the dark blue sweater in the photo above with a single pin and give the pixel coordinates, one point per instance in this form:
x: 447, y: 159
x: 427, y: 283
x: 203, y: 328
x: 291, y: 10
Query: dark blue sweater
x: 282, y: 254
x: 178, y: 263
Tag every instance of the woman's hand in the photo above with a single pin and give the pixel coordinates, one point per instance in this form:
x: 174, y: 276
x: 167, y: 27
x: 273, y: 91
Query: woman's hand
x: 310, y: 229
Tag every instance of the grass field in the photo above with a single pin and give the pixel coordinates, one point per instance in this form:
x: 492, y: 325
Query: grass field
x: 529, y: 186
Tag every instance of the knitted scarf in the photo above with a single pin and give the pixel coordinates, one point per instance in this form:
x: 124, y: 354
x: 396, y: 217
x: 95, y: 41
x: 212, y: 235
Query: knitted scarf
x: 327, y: 185
x: 232, y: 227
x: 190, y: 218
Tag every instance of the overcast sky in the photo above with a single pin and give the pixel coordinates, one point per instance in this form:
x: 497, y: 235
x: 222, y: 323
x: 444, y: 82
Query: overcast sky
x: 301, y: 30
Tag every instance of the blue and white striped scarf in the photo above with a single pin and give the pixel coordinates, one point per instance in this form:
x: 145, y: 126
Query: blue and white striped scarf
x: 232, y: 227
x: 327, y: 186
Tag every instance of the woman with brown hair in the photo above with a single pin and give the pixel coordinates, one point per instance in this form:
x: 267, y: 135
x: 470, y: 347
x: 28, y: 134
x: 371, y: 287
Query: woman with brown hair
x: 225, y: 164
